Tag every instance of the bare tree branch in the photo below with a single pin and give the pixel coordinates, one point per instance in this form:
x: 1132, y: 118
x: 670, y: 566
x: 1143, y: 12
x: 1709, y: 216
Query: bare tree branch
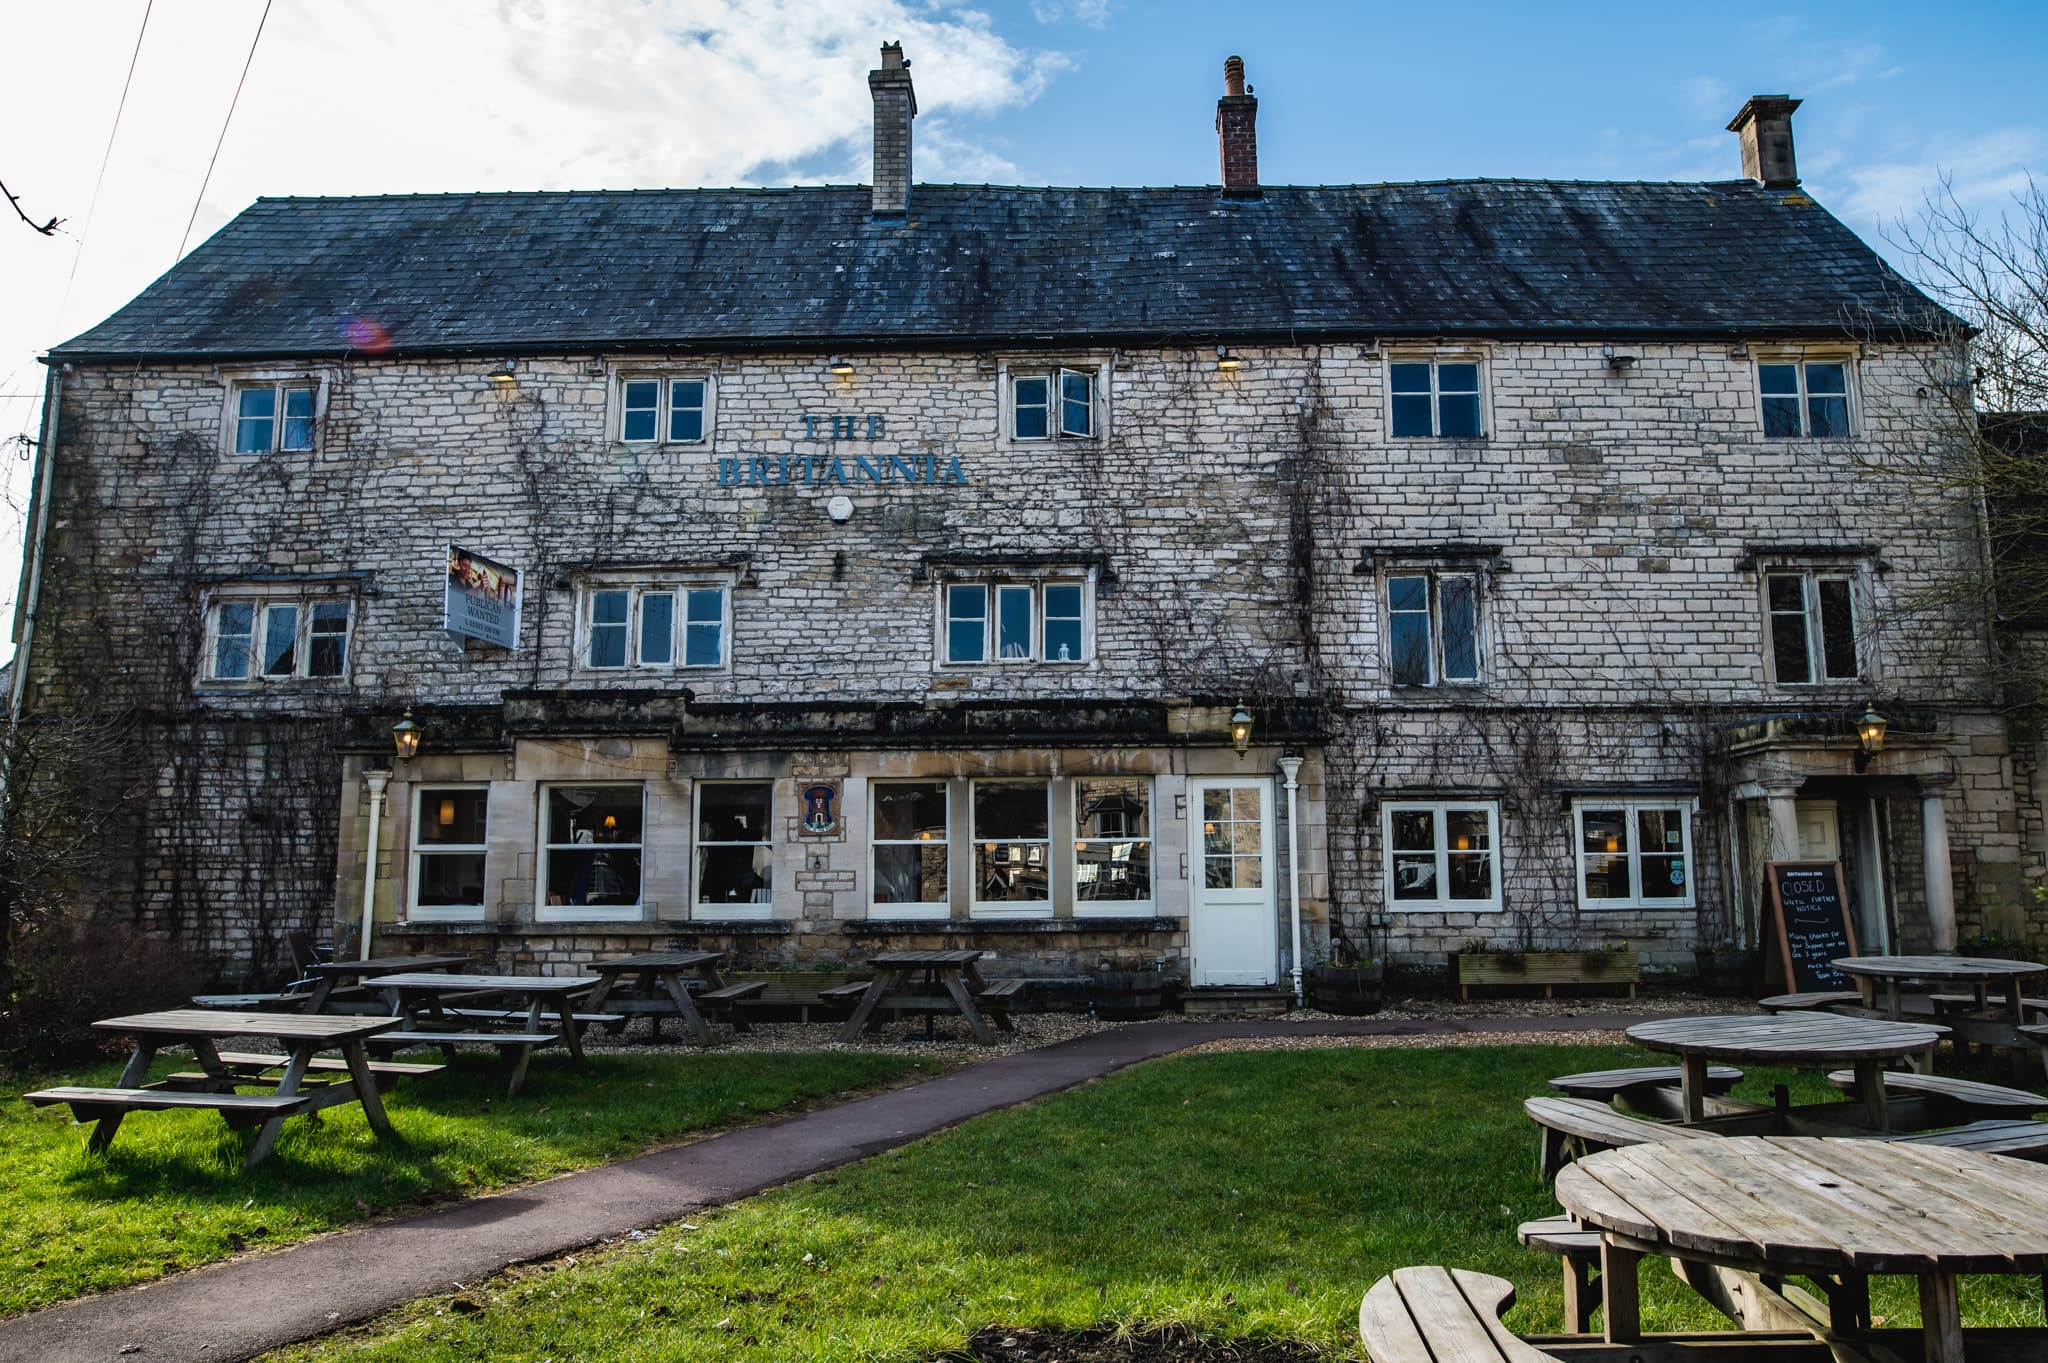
x: 48, y: 229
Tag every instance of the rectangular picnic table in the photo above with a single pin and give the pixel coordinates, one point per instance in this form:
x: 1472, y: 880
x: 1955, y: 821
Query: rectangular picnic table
x: 664, y: 991
x: 422, y: 999
x: 930, y: 982
x: 327, y: 975
x: 302, y: 1037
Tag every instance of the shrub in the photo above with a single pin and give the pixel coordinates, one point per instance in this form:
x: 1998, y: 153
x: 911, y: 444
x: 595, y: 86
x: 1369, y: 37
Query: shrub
x: 69, y: 973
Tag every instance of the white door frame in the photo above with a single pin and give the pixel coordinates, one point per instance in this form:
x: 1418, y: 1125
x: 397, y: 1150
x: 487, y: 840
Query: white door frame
x: 1233, y: 935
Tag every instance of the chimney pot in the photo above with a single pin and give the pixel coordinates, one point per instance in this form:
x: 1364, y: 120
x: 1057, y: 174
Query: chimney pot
x: 895, y: 106
x: 1765, y: 126
x: 1237, y: 133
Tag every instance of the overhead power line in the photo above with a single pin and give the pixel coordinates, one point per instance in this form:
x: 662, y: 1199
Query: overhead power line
x: 246, y: 63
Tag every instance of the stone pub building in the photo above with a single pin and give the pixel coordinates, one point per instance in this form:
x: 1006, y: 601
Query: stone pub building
x: 1100, y: 577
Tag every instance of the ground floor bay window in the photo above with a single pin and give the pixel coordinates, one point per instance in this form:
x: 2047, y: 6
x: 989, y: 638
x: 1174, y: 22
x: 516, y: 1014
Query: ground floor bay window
x: 910, y: 856
x: 1012, y: 847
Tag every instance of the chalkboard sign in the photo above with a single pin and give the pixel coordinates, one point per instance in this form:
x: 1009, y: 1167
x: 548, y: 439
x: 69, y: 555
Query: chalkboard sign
x: 1813, y: 923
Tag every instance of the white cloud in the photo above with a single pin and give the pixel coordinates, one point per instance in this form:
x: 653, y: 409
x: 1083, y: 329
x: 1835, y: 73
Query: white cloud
x: 1089, y: 13
x: 395, y: 96
x: 1984, y: 171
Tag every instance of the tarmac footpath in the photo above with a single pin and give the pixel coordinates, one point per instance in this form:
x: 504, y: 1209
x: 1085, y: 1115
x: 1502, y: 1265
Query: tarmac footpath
x: 237, y: 1310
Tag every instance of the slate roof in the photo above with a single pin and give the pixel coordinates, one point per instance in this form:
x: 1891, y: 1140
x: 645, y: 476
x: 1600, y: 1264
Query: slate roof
x: 979, y: 265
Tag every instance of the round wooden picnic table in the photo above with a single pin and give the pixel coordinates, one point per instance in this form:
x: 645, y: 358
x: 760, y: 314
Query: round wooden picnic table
x: 1978, y: 972
x: 1787, y: 1039
x: 1834, y: 1210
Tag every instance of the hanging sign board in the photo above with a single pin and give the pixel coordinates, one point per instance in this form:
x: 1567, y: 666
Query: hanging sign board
x: 1811, y: 927
x: 483, y: 599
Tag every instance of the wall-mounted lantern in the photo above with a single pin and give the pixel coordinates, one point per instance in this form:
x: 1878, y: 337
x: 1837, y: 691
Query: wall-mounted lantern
x: 1870, y: 731
x: 405, y: 735
x: 1240, y: 730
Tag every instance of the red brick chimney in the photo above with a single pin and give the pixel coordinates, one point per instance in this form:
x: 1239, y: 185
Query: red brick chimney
x: 1237, y: 133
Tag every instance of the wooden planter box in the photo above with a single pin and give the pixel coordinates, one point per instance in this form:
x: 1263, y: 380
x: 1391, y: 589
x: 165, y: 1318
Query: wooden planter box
x: 792, y: 989
x: 1544, y: 970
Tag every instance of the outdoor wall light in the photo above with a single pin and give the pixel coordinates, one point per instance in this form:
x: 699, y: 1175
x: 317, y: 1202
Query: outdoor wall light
x: 405, y: 735
x: 1240, y: 730
x: 1614, y: 361
x: 1228, y: 360
x: 1870, y: 732
x: 502, y: 376
x: 839, y: 365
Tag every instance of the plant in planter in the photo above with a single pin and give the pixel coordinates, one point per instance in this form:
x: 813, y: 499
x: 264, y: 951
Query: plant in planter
x: 1138, y: 990
x: 1344, y: 979
x: 1481, y: 963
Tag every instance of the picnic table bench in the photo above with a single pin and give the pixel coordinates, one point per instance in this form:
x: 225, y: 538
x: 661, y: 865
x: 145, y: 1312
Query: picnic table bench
x: 1641, y: 1087
x: 421, y: 999
x: 930, y: 982
x: 1572, y: 1128
x: 658, y: 984
x: 1431, y: 1314
x: 1963, y: 1100
x: 347, y: 1080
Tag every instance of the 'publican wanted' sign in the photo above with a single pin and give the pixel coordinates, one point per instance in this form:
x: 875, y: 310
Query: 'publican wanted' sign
x: 483, y: 599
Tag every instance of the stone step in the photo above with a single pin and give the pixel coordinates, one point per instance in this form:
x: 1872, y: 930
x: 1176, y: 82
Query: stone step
x: 1236, y: 1002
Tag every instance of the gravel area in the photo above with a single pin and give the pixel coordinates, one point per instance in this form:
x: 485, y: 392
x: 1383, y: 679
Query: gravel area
x: 953, y: 1042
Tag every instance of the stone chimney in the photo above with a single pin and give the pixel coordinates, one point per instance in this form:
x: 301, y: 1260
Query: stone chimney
x: 895, y: 106
x: 1765, y: 126
x: 1237, y: 133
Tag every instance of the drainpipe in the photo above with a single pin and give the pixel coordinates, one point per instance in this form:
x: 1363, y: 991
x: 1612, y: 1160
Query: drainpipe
x: 1290, y: 767
x: 38, y: 533
x: 376, y: 779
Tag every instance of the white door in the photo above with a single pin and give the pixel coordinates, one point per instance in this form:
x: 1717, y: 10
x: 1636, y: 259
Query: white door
x: 1232, y: 932
x: 1820, y: 832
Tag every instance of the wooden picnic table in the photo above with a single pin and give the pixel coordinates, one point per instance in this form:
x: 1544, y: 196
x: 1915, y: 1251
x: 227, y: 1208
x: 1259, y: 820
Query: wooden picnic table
x: 930, y: 982
x: 326, y: 975
x: 1979, y: 973
x: 1835, y: 1211
x: 1785, y: 1039
x: 302, y: 1037
x: 422, y: 999
x: 664, y: 989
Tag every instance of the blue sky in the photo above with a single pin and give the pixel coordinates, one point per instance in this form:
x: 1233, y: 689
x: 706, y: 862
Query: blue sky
x: 382, y: 96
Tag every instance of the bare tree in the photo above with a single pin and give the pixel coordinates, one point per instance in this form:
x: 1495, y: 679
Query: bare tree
x: 1987, y: 379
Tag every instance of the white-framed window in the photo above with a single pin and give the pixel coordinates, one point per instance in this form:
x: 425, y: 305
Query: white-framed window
x: 273, y: 415
x: 1015, y: 620
x: 1053, y: 402
x: 1634, y: 854
x: 1112, y: 845
x: 909, y: 857
x: 1433, y: 627
x: 1442, y: 856
x: 591, y: 839
x: 735, y: 849
x: 680, y: 624
x: 1815, y: 633
x: 1012, y: 827
x: 1804, y: 399
x: 272, y: 637
x: 1435, y: 397
x: 450, y: 828
x: 663, y: 409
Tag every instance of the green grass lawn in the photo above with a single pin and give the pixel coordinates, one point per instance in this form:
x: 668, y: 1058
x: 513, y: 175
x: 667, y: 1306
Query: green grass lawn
x: 1251, y: 1195
x: 169, y: 1194
x: 1240, y: 1196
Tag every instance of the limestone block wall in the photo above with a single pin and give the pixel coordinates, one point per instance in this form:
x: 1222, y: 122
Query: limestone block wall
x: 1240, y: 526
